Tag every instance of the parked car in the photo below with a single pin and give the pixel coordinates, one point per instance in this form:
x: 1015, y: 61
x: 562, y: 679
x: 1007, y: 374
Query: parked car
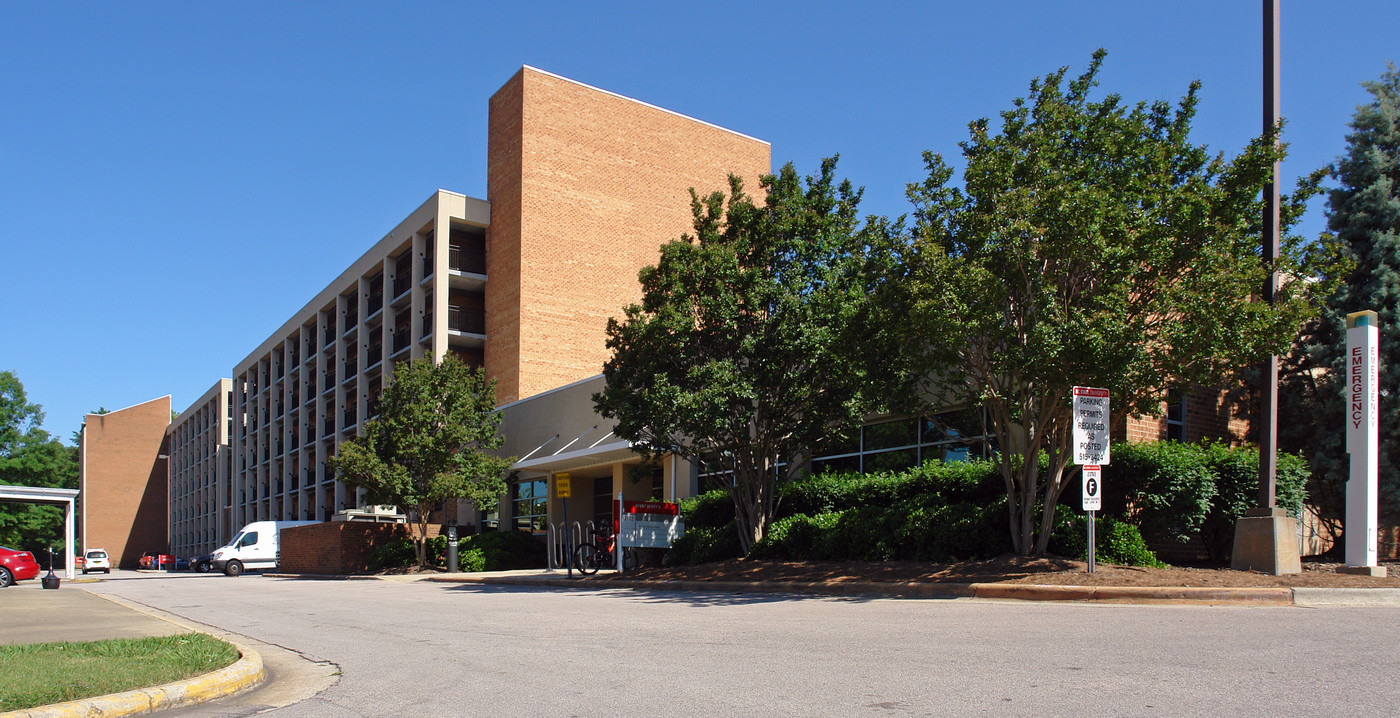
x: 16, y: 566
x: 95, y: 559
x: 201, y: 564
x: 181, y: 564
x: 148, y: 560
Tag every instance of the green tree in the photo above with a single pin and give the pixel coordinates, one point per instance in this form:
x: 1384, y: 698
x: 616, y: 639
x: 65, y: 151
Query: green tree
x: 430, y: 442
x: 742, y: 353
x: 30, y: 457
x: 1091, y: 244
x: 1363, y: 212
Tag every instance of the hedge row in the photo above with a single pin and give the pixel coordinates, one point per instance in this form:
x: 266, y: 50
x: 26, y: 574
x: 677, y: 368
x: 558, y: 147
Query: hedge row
x: 487, y: 551
x: 947, y: 512
x: 1175, y: 492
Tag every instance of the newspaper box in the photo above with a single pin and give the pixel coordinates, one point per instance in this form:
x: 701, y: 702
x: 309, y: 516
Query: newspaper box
x: 649, y: 524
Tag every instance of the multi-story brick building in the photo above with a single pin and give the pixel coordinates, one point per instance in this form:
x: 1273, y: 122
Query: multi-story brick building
x: 200, y: 516
x: 583, y: 187
x: 122, y: 480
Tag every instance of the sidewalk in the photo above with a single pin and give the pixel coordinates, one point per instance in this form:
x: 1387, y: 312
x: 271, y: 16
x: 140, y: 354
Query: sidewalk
x: 30, y: 614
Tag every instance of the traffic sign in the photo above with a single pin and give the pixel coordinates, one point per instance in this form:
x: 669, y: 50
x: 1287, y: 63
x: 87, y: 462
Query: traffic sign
x: 1093, y: 488
x: 1090, y: 433
x: 561, y: 486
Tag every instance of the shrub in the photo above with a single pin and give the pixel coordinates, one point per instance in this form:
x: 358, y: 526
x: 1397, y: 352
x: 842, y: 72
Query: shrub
x: 503, y: 550
x: 1165, y: 488
x: 1237, y: 491
x: 703, y: 544
x: 957, y: 532
x: 1117, y: 542
x: 393, y: 554
x: 795, y: 537
x: 436, y: 551
x: 712, y: 508
x: 470, y: 560
x: 921, y: 530
x: 958, y: 482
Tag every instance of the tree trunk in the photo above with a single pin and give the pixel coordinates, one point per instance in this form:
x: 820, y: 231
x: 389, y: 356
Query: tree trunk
x: 421, y: 543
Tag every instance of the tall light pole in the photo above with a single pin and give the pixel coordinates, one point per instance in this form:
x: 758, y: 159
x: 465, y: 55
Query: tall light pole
x: 1266, y: 537
x: 1268, y: 400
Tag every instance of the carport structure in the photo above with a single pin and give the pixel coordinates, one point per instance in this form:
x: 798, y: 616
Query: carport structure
x: 52, y: 497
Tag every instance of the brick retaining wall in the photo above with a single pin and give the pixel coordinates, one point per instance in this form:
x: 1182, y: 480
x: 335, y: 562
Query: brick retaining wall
x: 334, y: 547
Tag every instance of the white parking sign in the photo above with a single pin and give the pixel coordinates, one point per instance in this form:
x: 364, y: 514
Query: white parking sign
x: 1090, y: 432
x: 1093, y: 488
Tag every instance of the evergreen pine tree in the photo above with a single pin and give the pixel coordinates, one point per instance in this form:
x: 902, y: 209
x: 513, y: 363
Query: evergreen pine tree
x: 1364, y: 214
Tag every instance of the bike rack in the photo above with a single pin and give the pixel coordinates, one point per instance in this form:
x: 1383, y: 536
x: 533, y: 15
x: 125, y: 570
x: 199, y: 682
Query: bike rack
x: 556, y: 547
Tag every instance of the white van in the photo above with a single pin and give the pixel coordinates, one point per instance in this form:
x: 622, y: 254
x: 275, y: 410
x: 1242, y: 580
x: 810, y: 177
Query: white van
x: 256, y: 546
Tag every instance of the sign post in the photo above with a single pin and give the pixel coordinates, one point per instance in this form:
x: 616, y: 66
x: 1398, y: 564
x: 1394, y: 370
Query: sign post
x: 1093, y: 501
x: 1362, y: 416
x: 563, y: 490
x: 1091, y: 452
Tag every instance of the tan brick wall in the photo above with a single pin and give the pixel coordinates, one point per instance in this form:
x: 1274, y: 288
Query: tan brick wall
x: 503, y: 181
x: 123, y: 484
x: 585, y: 186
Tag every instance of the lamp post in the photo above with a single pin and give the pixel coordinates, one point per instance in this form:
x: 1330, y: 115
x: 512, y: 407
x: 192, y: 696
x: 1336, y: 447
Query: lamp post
x: 1266, y: 537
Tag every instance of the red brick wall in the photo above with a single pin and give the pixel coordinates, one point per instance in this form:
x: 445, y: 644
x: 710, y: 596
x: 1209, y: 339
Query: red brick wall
x: 1208, y: 416
x: 124, y: 484
x: 336, y: 548
x: 584, y: 186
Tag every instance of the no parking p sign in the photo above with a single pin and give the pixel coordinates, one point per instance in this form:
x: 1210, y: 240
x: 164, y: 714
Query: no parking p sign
x: 1093, y: 488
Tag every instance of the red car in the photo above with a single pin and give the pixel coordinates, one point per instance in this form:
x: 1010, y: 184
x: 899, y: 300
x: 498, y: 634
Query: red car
x: 16, y: 566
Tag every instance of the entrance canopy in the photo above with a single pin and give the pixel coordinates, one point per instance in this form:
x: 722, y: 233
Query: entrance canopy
x: 51, y: 497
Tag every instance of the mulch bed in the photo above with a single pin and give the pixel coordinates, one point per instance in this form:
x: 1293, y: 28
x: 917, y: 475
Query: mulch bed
x: 1013, y: 569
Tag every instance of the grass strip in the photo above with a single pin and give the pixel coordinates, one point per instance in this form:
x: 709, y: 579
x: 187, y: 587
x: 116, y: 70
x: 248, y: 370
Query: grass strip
x: 37, y: 674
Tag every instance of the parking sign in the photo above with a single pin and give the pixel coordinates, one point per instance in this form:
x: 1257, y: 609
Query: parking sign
x: 1093, y: 488
x: 1090, y: 433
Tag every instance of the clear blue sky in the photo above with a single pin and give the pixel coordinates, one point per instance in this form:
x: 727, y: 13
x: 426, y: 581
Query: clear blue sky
x: 177, y: 178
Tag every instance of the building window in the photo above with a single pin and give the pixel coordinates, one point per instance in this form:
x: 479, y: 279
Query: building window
x: 491, y: 520
x: 1176, y: 415
x: 602, y: 501
x: 530, y: 505
x: 905, y: 443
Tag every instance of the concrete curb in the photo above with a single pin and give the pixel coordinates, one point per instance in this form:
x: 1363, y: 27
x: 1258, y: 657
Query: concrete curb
x: 1320, y: 597
x: 245, y: 673
x: 998, y: 591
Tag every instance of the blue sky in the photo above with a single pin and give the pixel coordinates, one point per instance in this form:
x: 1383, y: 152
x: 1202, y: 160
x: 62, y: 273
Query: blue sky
x: 177, y: 178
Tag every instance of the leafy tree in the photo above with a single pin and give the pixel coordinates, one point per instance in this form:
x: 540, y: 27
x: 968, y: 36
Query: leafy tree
x: 1364, y: 213
x: 30, y: 457
x: 429, y: 443
x: 1091, y: 244
x: 742, y: 352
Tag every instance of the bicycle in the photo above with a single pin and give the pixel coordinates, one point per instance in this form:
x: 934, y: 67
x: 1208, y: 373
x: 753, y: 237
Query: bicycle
x: 591, y: 556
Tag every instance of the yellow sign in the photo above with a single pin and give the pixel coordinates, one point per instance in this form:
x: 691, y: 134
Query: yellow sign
x: 561, y: 486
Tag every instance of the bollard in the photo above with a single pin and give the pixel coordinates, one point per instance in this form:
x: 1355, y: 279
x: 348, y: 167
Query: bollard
x: 50, y: 580
x: 452, y: 546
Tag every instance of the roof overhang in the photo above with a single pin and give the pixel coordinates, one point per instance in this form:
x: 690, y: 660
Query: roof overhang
x: 599, y: 455
x: 36, y: 495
